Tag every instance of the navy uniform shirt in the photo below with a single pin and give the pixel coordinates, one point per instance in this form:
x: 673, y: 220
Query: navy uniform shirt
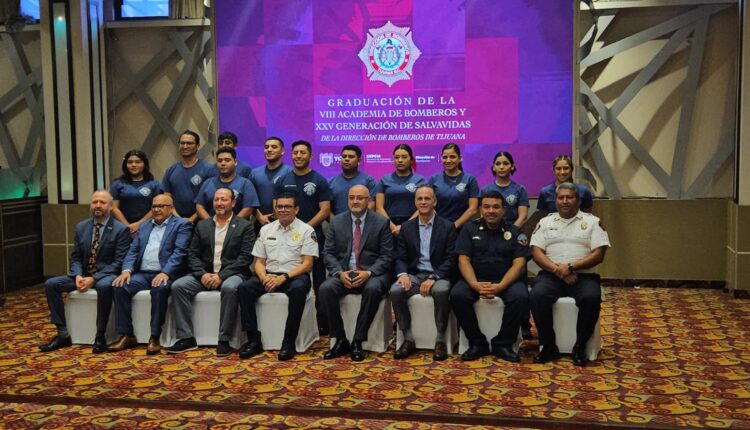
x: 264, y: 180
x: 244, y: 193
x: 491, y: 251
x: 399, y: 195
x: 340, y: 190
x: 310, y: 188
x: 134, y: 197
x: 514, y: 194
x: 453, y: 194
x: 184, y: 183
x: 547, y: 200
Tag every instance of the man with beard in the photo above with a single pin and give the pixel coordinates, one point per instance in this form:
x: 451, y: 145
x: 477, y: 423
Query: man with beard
x: 219, y: 257
x: 351, y: 156
x: 567, y: 245
x: 183, y: 179
x: 100, y: 245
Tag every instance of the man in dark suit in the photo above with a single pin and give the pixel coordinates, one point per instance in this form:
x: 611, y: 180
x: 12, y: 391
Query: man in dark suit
x: 358, y: 255
x: 156, y: 257
x: 219, y: 258
x: 100, y: 245
x: 425, y: 264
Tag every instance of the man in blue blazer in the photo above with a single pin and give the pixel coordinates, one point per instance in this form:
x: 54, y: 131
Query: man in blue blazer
x: 363, y: 269
x: 92, y: 265
x: 156, y: 257
x: 425, y: 264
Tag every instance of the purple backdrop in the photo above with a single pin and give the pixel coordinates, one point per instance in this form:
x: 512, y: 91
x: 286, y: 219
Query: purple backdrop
x: 492, y: 75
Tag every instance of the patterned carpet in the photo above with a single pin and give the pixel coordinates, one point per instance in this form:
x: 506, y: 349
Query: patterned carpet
x: 671, y: 358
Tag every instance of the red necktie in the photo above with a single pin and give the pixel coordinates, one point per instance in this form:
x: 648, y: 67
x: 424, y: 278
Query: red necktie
x: 357, y: 239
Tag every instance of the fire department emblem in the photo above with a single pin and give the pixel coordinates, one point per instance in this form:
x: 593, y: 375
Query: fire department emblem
x: 389, y: 54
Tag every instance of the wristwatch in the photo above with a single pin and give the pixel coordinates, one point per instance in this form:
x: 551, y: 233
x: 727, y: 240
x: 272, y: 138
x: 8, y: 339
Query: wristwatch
x: 286, y: 275
x: 433, y: 277
x: 570, y: 268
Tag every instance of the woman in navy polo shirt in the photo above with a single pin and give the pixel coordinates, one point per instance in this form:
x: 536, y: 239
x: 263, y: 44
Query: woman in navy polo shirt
x: 562, y: 166
x: 457, y: 192
x: 394, y: 194
x: 515, y: 195
x: 133, y: 191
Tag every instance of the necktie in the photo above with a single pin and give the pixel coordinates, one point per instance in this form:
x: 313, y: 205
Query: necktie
x: 91, y: 267
x: 357, y: 239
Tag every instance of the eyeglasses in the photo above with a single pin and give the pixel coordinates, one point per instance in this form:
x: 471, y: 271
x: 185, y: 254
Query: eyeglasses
x: 160, y: 206
x: 284, y: 207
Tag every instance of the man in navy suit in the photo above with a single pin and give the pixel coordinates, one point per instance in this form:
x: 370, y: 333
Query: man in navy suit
x: 100, y: 245
x: 156, y: 257
x: 425, y: 264
x: 363, y: 269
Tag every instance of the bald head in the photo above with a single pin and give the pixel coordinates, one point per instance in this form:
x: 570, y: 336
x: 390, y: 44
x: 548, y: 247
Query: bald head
x: 101, y: 205
x: 359, y: 198
x: 161, y: 208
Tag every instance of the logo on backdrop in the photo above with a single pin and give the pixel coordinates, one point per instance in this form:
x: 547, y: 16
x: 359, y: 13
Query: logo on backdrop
x: 389, y: 54
x: 326, y: 159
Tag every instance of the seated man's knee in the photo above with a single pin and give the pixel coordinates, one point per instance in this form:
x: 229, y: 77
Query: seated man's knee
x: 397, y: 292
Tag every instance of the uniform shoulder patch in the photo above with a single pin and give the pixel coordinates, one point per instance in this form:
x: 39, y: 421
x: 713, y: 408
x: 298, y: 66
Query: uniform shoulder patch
x: 522, y: 239
x: 314, y: 236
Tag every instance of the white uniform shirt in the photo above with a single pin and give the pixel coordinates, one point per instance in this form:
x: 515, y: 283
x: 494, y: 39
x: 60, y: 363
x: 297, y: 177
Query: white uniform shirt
x: 283, y: 248
x: 568, y: 240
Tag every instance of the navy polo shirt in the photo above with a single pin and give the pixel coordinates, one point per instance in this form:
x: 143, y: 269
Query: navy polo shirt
x: 134, y: 197
x: 515, y: 195
x: 547, y: 201
x: 264, y: 180
x: 453, y: 193
x: 340, y: 189
x: 310, y: 188
x: 244, y: 193
x: 184, y: 183
x: 399, y: 195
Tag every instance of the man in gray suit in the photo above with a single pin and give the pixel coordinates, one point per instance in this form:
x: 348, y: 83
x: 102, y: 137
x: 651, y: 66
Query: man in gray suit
x: 218, y: 258
x: 358, y: 255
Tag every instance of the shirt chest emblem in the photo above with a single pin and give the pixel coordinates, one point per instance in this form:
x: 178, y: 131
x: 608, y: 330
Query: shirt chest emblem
x: 196, y: 180
x: 144, y: 191
x: 461, y: 187
x: 511, y: 199
x: 309, y: 188
x: 411, y: 187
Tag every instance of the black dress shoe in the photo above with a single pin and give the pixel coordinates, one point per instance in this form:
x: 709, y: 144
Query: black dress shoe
x: 223, y: 348
x: 405, y: 350
x: 475, y: 352
x: 287, y: 352
x: 579, y: 355
x: 56, y: 343
x: 506, y: 353
x: 100, y: 344
x: 183, y: 345
x: 251, y: 349
x: 341, y: 347
x: 358, y: 354
x: 441, y: 351
x: 549, y: 353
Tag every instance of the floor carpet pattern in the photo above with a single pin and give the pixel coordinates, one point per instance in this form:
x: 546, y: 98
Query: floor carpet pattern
x: 671, y: 358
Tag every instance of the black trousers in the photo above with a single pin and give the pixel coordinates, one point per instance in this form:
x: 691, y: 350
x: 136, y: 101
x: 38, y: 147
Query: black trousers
x: 295, y: 288
x: 516, y: 300
x: 333, y: 290
x: 587, y: 294
x: 318, y: 277
x: 54, y: 287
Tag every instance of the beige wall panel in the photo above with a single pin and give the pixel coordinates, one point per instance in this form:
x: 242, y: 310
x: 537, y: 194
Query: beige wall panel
x: 743, y: 272
x: 653, y: 116
x: 732, y: 225
x: 731, y: 276
x: 743, y: 229
x: 664, y: 239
